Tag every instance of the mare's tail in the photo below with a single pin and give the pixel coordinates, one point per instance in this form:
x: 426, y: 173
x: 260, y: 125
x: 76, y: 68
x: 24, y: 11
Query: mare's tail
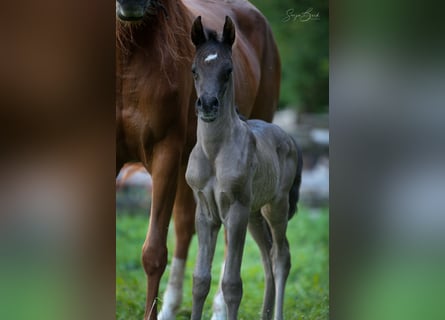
x: 294, y: 192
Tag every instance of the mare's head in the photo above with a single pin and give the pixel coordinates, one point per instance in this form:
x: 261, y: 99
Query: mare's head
x: 212, y: 68
x: 135, y: 10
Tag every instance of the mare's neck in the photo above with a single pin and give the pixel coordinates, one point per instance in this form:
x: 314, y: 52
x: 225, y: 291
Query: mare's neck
x: 164, y: 31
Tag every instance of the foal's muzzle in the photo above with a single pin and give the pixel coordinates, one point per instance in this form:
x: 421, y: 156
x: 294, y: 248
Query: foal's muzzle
x: 207, y: 108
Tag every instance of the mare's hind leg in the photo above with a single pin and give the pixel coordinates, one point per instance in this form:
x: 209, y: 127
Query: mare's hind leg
x: 261, y: 234
x: 184, y: 219
x: 277, y: 217
x: 219, y: 308
x: 119, y: 164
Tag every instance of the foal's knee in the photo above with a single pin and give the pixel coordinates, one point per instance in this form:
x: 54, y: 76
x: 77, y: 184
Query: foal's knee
x: 154, y: 260
x: 232, y: 290
x: 201, y: 285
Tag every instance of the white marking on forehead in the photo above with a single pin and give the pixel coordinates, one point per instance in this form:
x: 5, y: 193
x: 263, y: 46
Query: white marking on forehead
x: 211, y: 57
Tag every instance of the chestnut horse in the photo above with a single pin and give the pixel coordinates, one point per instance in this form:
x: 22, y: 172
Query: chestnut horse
x: 155, y: 111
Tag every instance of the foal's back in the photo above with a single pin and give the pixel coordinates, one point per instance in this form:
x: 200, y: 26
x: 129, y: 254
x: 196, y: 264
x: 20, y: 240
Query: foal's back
x: 277, y: 160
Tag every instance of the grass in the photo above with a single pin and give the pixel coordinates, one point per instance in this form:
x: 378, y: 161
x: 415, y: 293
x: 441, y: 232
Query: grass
x: 306, y: 290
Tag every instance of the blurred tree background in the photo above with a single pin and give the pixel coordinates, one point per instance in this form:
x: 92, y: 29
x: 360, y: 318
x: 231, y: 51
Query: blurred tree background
x: 303, y: 42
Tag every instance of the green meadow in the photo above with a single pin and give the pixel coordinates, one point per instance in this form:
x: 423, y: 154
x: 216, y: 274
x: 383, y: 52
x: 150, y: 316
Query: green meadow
x: 306, y: 290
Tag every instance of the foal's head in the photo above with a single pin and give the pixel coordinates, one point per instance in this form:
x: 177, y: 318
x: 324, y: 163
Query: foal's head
x: 212, y: 68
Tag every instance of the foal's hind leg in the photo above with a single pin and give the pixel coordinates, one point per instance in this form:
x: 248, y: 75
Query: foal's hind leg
x: 277, y: 217
x: 184, y: 219
x: 261, y: 234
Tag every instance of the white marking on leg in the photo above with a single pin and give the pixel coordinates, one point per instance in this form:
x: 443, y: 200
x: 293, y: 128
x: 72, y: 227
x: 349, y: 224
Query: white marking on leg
x: 211, y: 57
x: 219, y: 305
x: 173, y: 293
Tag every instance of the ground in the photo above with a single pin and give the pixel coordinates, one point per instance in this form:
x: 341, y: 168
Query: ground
x: 307, y: 287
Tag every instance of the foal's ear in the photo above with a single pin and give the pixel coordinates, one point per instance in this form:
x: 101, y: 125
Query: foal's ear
x: 198, y: 35
x: 228, y: 32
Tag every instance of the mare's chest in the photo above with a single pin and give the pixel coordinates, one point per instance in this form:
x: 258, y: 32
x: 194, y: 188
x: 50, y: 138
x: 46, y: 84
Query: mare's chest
x: 145, y: 84
x: 152, y: 100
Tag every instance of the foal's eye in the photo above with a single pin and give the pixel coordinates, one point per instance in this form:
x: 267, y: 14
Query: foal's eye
x: 227, y: 73
x: 195, y: 74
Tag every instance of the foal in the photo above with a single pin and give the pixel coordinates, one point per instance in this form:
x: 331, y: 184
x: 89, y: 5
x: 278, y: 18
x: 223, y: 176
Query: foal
x: 244, y: 174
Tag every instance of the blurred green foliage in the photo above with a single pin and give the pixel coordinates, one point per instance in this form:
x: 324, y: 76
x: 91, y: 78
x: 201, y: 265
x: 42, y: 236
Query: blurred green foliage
x: 303, y: 42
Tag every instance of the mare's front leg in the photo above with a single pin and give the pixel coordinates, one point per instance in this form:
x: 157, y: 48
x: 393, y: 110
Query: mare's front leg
x: 184, y: 219
x: 236, y: 225
x: 207, y: 230
x: 165, y: 163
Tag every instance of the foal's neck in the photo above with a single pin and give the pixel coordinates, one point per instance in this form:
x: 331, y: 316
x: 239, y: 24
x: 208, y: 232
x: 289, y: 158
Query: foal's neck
x: 213, y: 135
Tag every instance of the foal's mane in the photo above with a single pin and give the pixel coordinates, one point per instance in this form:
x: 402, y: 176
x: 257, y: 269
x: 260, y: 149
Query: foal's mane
x: 211, y: 35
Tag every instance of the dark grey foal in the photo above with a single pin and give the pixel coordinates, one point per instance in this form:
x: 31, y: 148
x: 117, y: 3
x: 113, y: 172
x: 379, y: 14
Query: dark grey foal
x: 244, y: 174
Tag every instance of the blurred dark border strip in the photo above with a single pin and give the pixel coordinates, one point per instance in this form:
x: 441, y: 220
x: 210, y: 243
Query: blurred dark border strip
x: 57, y: 160
x: 387, y: 160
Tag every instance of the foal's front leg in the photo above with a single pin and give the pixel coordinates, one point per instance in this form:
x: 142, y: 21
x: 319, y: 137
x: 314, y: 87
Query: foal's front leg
x: 207, y: 235
x: 236, y: 225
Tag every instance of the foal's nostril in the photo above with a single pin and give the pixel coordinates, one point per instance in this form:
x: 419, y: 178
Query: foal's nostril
x: 214, y: 102
x: 207, y: 107
x: 207, y: 103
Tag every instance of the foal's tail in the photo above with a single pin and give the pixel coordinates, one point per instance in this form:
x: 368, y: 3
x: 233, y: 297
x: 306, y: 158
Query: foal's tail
x: 294, y: 192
